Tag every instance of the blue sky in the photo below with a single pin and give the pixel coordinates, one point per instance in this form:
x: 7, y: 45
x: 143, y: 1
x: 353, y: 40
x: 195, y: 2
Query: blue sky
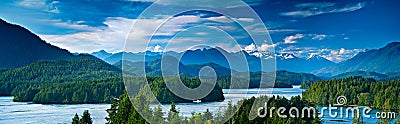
x: 336, y: 30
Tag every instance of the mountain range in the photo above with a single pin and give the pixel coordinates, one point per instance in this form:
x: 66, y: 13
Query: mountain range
x: 153, y: 68
x: 381, y: 61
x: 284, y: 61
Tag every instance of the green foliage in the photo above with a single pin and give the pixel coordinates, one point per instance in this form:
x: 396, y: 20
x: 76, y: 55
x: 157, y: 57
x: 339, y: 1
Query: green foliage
x: 86, y: 119
x: 122, y: 112
x: 357, y: 90
x: 363, y: 74
x: 173, y: 115
x: 84, y: 80
x: 60, y: 71
x: 80, y: 92
x: 164, y: 95
x: 75, y: 120
x: 158, y: 115
x: 56, y: 81
x: 242, y: 115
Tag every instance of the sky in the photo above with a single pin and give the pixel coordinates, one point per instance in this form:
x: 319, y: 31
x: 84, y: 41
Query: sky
x: 336, y: 30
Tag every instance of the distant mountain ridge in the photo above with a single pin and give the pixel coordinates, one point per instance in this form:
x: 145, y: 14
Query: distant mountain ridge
x: 19, y: 47
x: 153, y: 68
x: 284, y: 61
x: 383, y: 60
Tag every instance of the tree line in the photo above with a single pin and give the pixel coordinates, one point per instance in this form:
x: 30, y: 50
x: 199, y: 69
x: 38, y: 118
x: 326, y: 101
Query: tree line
x: 357, y: 90
x: 122, y: 111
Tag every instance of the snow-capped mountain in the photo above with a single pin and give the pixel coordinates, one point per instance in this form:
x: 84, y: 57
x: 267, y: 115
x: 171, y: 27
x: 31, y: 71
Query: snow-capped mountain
x: 290, y: 62
x: 284, y: 56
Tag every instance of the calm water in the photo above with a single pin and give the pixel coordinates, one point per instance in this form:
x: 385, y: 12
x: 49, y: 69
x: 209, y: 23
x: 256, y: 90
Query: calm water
x: 26, y: 113
x: 23, y: 112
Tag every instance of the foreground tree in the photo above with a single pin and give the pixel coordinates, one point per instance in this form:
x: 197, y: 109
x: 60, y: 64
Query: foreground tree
x: 86, y: 119
x: 173, y: 115
x: 75, y: 120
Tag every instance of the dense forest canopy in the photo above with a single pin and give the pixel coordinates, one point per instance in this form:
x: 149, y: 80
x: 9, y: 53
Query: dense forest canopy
x: 357, y: 90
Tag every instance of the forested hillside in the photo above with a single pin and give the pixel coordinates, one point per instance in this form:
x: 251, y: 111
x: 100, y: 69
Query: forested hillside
x: 357, y: 90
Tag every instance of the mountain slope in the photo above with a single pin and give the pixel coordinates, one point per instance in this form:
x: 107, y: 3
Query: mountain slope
x: 101, y: 54
x: 59, y: 71
x: 19, y: 47
x: 383, y: 60
x: 24, y: 82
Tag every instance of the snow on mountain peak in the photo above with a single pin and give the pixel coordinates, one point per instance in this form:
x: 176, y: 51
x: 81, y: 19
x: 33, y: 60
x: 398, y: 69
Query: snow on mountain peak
x: 287, y: 56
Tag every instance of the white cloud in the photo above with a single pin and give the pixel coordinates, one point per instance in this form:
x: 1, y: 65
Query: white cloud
x: 318, y: 8
x: 32, y: 3
x: 246, y: 19
x: 174, y: 25
x: 250, y: 47
x: 315, y: 4
x: 50, y: 7
x: 207, y: 3
x: 335, y: 55
x: 271, y: 31
x: 111, y: 38
x: 157, y: 48
x: 79, y: 25
x: 263, y: 47
x: 201, y: 33
x: 341, y: 54
x: 268, y: 47
x: 319, y: 36
x: 292, y: 39
x: 221, y: 19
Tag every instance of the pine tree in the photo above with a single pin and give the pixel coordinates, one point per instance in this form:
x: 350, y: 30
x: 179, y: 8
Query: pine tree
x: 208, y: 115
x: 173, y: 115
x: 75, y: 120
x: 112, y: 112
x: 86, y: 119
x: 158, y: 115
x: 125, y: 108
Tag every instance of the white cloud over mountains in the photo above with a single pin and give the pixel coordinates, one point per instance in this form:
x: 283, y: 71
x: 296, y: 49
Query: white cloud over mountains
x: 110, y: 38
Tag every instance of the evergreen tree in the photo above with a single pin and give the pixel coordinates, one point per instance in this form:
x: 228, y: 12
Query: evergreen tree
x: 75, y: 120
x: 158, y: 115
x: 86, y: 119
x: 208, y: 115
x: 124, y: 109
x: 173, y: 115
x: 112, y: 111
